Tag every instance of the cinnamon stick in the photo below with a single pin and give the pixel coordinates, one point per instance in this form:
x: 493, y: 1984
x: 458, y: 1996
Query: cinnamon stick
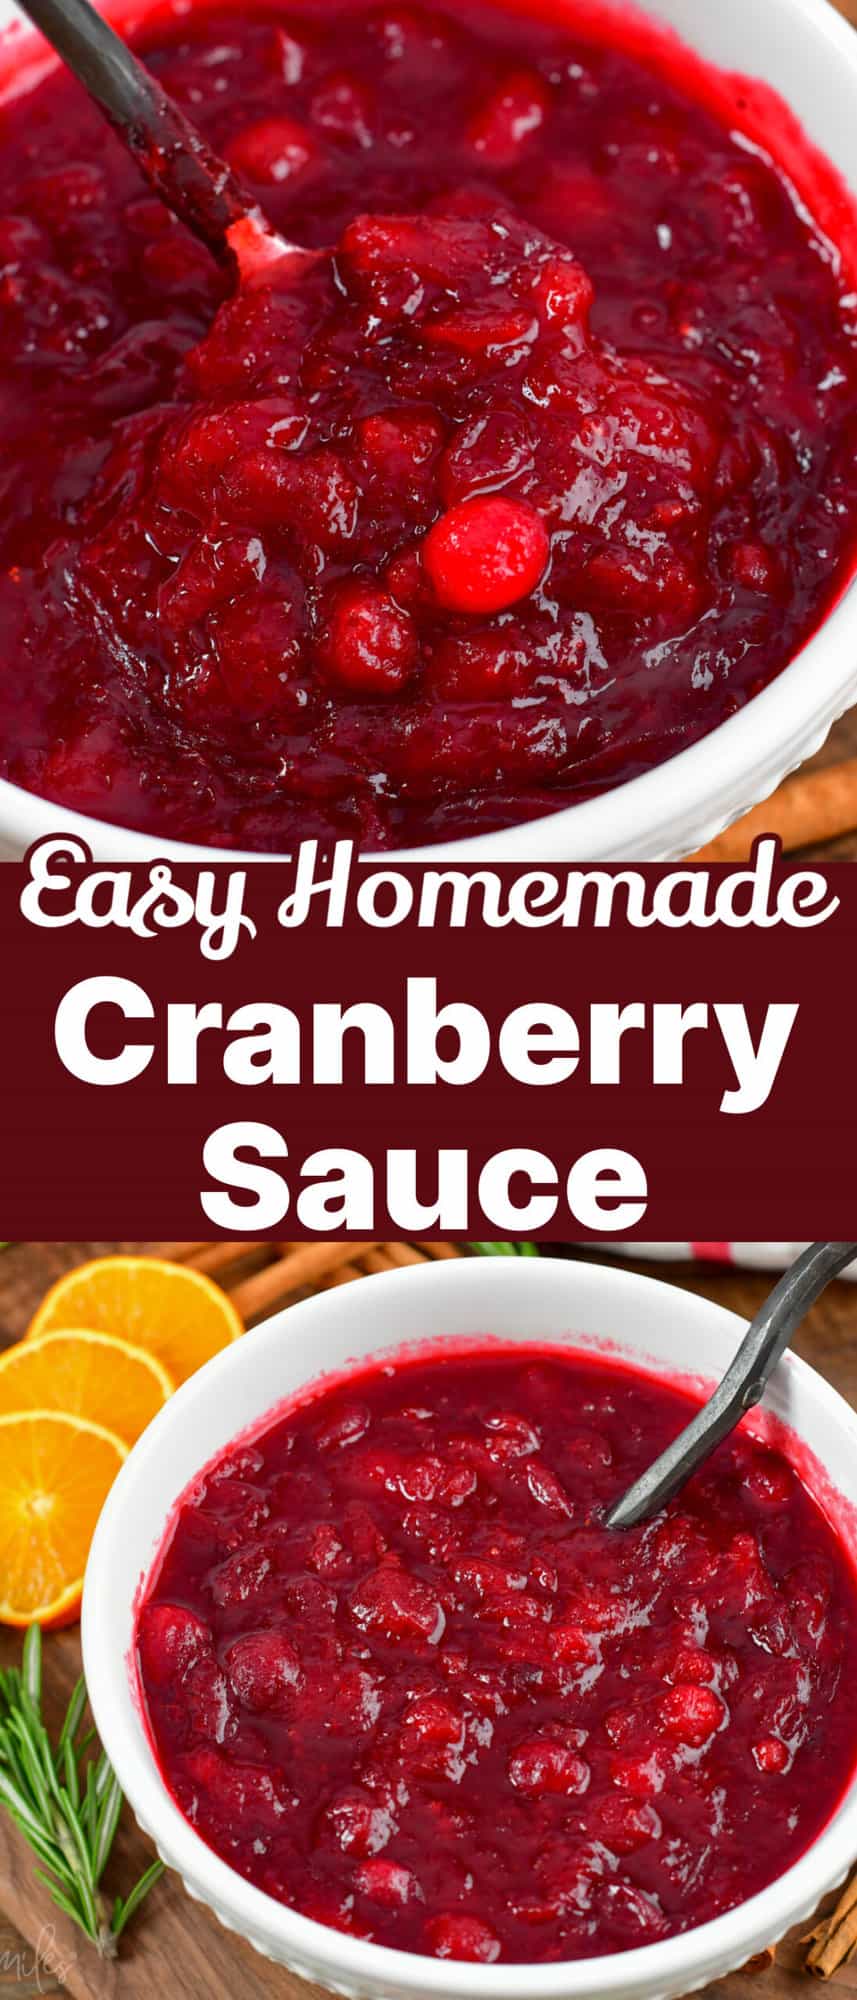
x: 212, y: 1258
x: 804, y: 811
x: 834, y: 1940
x: 376, y: 1260
x: 174, y: 1253
x: 761, y: 1961
x: 292, y: 1273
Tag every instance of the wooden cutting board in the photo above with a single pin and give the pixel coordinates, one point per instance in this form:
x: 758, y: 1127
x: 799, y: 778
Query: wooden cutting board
x: 177, y: 1947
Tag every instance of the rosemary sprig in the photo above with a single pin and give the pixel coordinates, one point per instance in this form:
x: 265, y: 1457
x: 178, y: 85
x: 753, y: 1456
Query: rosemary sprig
x: 66, y: 1803
x: 504, y: 1249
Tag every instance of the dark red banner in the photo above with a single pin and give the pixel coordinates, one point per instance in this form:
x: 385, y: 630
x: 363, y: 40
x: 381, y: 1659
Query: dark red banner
x: 660, y: 1052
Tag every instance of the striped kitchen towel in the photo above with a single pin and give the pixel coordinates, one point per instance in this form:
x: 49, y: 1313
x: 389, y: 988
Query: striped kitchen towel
x: 753, y: 1256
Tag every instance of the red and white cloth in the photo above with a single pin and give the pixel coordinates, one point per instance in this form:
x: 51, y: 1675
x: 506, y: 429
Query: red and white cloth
x: 752, y: 1256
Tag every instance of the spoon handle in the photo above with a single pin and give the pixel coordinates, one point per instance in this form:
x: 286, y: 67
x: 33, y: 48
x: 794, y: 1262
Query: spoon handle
x: 743, y: 1384
x: 195, y: 184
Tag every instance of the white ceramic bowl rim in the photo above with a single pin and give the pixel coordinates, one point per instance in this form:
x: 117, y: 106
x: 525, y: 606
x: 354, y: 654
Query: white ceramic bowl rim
x: 379, y: 1968
x: 675, y: 807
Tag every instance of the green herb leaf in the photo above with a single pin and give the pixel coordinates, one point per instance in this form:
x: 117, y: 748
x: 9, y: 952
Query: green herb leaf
x: 504, y: 1249
x: 125, y: 1910
x: 107, y: 1824
x: 65, y: 1804
x: 73, y: 1716
x: 31, y: 1666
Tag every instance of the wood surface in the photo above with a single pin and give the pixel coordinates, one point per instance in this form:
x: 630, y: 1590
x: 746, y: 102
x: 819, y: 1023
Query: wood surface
x: 841, y: 743
x: 177, y: 1948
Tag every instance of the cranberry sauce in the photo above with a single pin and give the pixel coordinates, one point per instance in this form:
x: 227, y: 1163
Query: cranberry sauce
x: 400, y: 1676
x: 547, y: 474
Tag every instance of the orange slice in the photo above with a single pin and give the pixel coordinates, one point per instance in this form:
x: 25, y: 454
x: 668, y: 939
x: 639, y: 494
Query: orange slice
x: 57, y: 1473
x: 179, y: 1316
x: 90, y: 1375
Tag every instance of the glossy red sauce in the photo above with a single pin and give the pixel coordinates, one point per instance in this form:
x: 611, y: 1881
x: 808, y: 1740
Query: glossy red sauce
x: 239, y: 600
x: 399, y: 1675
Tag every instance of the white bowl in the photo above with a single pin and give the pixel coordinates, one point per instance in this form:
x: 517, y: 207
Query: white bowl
x: 805, y: 51
x: 662, y: 1328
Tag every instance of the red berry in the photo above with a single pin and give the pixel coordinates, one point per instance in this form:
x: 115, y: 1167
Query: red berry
x: 636, y: 1914
x: 387, y: 1883
x: 431, y: 1719
x: 627, y: 1725
x: 358, y: 1824
x: 623, y: 1825
x: 248, y: 1574
x: 430, y: 1479
x: 486, y: 553
x: 258, y: 642
x: 565, y: 292
x: 264, y: 1669
x: 353, y: 1704
x: 771, y: 1754
x: 273, y: 151
x: 488, y: 1579
x: 241, y: 1794
x: 510, y: 1436
x: 326, y: 1554
x: 371, y: 643
x: 463, y: 1937
x: 691, y: 1713
x: 172, y: 1641
x: 539, y: 1766
x: 571, y: 1645
x: 500, y: 131
x: 546, y: 1489
x: 643, y: 1777
x: 401, y: 438
x: 393, y: 1602
x: 754, y: 567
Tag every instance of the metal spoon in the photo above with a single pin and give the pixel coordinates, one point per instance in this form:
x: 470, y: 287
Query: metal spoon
x: 183, y: 171
x: 743, y: 1384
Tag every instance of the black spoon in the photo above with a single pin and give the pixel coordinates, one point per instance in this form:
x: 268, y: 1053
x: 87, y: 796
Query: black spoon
x: 178, y: 164
x: 743, y: 1384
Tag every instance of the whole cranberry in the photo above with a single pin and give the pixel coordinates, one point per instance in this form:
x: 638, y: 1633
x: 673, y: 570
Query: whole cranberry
x: 264, y: 1669
x: 172, y: 1641
x: 370, y: 646
x: 771, y: 1755
x: 754, y: 567
x: 458, y: 1935
x: 486, y: 553
x: 515, y: 114
x: 691, y: 1713
x: 273, y: 151
x: 257, y: 638
x: 539, y: 1766
x: 388, y: 1883
x: 565, y: 292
